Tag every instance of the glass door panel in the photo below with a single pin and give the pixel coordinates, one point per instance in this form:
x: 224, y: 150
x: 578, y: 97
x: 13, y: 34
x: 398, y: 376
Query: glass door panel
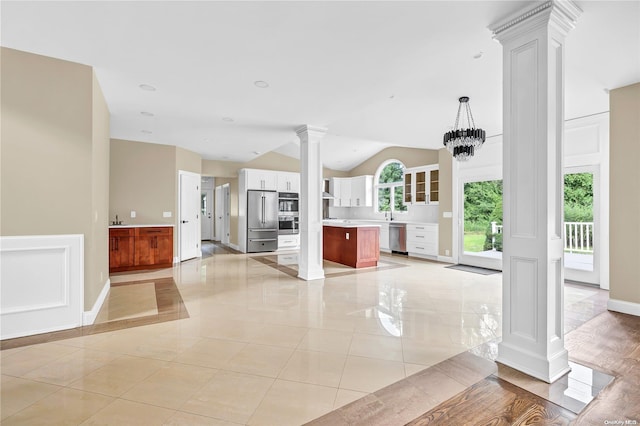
x: 579, y: 226
x: 482, y: 225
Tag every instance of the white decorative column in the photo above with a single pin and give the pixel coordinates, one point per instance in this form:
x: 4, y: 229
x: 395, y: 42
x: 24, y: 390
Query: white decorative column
x: 310, y: 257
x: 533, y: 120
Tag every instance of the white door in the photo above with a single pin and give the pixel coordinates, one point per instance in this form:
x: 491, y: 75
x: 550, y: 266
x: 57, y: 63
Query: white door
x: 226, y: 214
x: 189, y: 215
x: 206, y: 212
x: 219, y: 211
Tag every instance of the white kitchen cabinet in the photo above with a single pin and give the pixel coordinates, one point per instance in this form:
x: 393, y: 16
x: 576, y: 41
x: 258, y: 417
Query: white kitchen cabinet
x: 421, y: 185
x: 362, y: 191
x: 288, y: 242
x: 422, y: 240
x: 341, y: 191
x: 384, y: 237
x: 288, y: 182
x: 352, y: 192
x: 261, y: 179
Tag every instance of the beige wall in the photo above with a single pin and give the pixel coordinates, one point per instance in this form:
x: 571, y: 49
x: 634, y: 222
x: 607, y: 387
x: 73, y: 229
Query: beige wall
x: 445, y: 224
x: 142, y: 179
x: 53, y: 159
x: 410, y: 157
x: 624, y: 228
x: 268, y: 161
x: 188, y: 161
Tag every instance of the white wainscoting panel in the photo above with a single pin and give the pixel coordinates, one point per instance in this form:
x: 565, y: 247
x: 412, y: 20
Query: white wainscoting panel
x: 41, y: 284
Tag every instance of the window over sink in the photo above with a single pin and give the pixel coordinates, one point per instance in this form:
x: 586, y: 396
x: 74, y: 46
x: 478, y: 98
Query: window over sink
x: 389, y: 187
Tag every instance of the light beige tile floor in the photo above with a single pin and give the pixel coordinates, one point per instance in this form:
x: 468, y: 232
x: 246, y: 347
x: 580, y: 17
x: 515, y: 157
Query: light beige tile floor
x: 260, y: 347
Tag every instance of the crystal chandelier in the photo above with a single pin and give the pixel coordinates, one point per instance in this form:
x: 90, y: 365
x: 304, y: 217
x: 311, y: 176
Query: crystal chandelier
x: 462, y: 143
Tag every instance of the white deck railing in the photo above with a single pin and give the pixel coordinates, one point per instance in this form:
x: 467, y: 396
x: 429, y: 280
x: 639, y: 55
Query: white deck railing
x: 578, y: 236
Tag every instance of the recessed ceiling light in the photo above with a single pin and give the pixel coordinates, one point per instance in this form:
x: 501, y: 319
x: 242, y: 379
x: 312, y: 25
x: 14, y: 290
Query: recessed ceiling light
x: 261, y: 84
x: 227, y: 119
x: 478, y: 55
x: 392, y: 96
x: 147, y: 114
x: 256, y: 152
x: 147, y: 132
x: 147, y: 87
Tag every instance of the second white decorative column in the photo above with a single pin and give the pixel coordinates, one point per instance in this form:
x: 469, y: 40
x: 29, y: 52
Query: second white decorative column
x: 310, y: 257
x: 533, y: 126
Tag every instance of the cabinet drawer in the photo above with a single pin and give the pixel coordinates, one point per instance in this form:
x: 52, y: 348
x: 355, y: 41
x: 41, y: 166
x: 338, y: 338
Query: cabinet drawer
x: 422, y: 228
x: 152, y: 232
x: 421, y: 236
x: 428, y: 248
x: 121, y: 232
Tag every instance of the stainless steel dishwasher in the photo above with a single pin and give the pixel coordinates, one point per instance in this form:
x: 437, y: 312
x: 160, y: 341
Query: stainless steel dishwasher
x: 398, y: 237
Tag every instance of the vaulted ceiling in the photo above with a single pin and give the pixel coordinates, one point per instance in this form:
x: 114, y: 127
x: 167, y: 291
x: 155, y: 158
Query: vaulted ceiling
x: 376, y: 74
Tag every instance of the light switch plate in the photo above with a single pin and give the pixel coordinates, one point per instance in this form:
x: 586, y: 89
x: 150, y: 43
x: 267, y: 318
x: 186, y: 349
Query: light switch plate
x: 166, y: 214
x: 347, y: 236
x: 133, y: 213
x: 447, y: 214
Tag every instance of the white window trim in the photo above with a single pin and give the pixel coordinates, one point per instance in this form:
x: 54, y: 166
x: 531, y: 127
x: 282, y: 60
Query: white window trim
x: 377, y: 186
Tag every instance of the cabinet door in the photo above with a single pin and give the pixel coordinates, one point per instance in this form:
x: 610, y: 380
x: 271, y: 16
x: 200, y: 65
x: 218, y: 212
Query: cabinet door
x: 144, y: 251
x: 421, y: 187
x: 163, y: 249
x: 345, y: 192
x: 335, y: 187
x: 408, y: 188
x: 120, y: 252
x: 434, y: 186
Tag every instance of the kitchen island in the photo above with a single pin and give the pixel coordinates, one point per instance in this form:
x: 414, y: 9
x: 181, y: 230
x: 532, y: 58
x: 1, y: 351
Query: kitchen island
x: 351, y: 244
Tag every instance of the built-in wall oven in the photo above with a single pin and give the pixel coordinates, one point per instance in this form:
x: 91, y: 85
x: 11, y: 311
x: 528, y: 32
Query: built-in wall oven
x: 288, y: 222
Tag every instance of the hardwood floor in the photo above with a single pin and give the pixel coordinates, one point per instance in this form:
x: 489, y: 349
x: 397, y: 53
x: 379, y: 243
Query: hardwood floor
x: 471, y: 388
x: 494, y: 401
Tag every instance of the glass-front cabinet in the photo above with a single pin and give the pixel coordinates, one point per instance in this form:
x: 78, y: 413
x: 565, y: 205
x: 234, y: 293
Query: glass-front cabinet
x: 421, y: 185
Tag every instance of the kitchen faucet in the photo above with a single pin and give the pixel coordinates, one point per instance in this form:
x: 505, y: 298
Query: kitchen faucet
x: 391, y: 211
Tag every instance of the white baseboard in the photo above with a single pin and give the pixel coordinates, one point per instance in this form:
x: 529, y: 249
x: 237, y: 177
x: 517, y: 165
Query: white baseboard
x: 89, y: 317
x: 176, y: 260
x: 624, y: 307
x: 235, y: 247
x: 446, y: 259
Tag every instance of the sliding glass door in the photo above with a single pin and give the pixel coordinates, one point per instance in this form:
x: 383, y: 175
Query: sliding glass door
x: 481, y: 224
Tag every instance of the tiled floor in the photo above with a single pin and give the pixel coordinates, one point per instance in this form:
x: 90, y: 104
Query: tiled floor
x: 262, y: 347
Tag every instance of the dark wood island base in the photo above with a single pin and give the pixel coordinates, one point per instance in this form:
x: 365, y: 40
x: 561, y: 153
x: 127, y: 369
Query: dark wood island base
x: 356, y: 246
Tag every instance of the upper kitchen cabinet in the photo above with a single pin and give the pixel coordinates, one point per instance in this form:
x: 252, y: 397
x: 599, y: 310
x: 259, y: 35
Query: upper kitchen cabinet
x: 352, y: 192
x: 421, y: 185
x: 265, y: 180
x: 288, y: 182
x: 341, y: 191
x: 362, y: 191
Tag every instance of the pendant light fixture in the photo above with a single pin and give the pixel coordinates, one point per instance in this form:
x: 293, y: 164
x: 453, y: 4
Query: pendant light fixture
x: 463, y: 142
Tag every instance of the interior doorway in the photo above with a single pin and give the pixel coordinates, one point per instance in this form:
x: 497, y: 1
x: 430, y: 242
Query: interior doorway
x: 481, y: 224
x: 206, y: 212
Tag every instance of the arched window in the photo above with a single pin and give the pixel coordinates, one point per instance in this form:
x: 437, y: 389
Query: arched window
x: 389, y: 187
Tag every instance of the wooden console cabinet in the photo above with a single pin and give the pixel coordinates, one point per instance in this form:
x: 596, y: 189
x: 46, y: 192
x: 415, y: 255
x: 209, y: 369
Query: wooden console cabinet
x: 140, y: 248
x: 355, y: 246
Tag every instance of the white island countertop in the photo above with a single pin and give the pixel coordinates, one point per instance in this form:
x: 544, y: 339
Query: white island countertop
x: 372, y: 222
x: 349, y: 224
x: 157, y: 225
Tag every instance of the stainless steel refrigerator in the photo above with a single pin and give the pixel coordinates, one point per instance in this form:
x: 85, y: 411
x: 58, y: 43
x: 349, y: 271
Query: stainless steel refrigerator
x: 262, y: 221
